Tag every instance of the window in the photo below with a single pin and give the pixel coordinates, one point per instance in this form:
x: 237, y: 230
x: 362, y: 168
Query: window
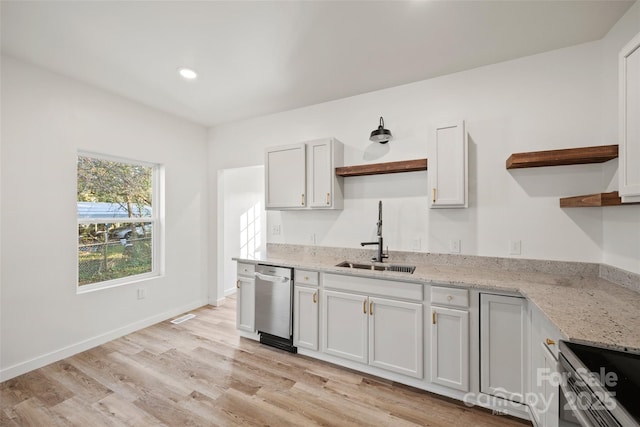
x: 118, y: 225
x: 250, y: 236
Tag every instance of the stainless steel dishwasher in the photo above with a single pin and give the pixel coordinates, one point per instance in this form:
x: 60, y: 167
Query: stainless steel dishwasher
x: 274, y: 306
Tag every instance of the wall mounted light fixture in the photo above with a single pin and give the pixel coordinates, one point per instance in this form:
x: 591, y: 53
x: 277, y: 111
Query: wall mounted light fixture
x: 381, y: 134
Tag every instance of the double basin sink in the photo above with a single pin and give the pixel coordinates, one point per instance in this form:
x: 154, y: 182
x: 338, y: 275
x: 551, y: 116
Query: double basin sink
x: 378, y: 267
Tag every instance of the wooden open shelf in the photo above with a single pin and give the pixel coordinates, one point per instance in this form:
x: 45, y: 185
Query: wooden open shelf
x: 382, y: 168
x: 568, y: 156
x: 590, y: 200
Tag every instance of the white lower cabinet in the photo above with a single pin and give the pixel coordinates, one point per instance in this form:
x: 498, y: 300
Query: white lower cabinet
x: 544, y: 392
x: 345, y: 328
x: 305, y: 317
x: 450, y: 347
x: 503, y: 346
x: 381, y: 332
x: 395, y: 336
x: 246, y: 296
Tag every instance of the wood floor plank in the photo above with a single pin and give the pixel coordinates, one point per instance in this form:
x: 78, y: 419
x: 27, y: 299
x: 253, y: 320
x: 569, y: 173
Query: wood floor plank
x: 125, y: 412
x: 76, y: 381
x: 168, y: 412
x: 5, y: 421
x: 33, y: 412
x: 78, y: 412
x: 202, y: 373
x: 35, y: 383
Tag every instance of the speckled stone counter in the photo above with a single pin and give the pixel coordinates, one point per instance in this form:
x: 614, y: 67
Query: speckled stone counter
x: 585, y: 307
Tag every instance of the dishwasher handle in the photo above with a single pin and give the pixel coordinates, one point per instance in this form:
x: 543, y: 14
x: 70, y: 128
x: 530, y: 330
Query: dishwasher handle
x: 270, y: 278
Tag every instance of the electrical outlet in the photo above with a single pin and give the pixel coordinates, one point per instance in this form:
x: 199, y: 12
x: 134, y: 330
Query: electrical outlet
x: 415, y: 244
x: 514, y: 247
x: 454, y: 246
x: 312, y: 238
x: 275, y: 229
x: 141, y: 294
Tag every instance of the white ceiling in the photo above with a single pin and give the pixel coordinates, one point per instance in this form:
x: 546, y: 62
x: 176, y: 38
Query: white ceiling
x: 255, y: 58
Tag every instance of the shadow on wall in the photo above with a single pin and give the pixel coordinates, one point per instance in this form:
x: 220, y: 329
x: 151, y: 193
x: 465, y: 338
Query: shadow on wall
x: 376, y: 151
x: 446, y: 224
x: 589, y: 220
x: 561, y: 181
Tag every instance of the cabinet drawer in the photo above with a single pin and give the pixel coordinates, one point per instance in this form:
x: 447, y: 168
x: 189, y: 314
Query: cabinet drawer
x: 246, y: 269
x: 450, y: 296
x: 306, y: 277
x: 388, y: 288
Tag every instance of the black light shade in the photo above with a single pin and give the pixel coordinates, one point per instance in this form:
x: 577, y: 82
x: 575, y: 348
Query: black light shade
x: 381, y: 134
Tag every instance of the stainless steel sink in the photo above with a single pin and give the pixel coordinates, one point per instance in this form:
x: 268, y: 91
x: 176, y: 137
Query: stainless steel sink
x: 378, y: 267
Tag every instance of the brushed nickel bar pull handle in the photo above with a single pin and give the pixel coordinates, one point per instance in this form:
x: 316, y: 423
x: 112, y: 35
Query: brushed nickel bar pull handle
x: 302, y: 199
x: 238, y: 283
x: 433, y: 317
x: 371, y: 308
x: 315, y: 295
x: 434, y: 195
x: 328, y: 197
x: 364, y: 306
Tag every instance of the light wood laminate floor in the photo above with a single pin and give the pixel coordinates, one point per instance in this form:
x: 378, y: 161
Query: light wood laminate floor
x: 201, y: 373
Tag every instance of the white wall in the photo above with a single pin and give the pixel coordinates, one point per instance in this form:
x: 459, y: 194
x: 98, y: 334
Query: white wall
x: 547, y: 101
x: 46, y: 119
x: 243, y: 189
x: 621, y: 225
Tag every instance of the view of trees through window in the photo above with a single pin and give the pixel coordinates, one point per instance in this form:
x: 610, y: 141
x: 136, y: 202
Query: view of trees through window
x: 115, y: 219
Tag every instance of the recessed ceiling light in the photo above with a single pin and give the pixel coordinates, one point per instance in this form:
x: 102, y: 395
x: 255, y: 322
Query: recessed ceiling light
x: 187, y: 73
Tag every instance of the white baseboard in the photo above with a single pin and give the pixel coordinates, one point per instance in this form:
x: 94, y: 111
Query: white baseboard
x: 54, y: 356
x: 217, y: 302
x: 230, y: 291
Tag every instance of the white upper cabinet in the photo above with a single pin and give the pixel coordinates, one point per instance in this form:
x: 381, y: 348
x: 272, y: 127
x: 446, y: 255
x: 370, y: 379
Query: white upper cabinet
x: 285, y: 177
x: 629, y: 121
x: 303, y: 175
x: 324, y: 188
x: 448, y: 166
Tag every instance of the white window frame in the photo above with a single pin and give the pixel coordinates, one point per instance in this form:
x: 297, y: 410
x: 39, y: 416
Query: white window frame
x: 156, y: 220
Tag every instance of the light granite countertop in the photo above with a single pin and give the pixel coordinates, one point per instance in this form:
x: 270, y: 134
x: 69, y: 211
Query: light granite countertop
x: 584, y: 307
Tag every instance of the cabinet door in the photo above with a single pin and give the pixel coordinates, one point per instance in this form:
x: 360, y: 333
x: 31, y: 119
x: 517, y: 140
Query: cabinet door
x: 285, y: 177
x: 629, y: 123
x: 245, y: 308
x: 320, y: 173
x: 305, y: 317
x: 345, y: 318
x: 448, y: 166
x: 395, y: 336
x: 543, y: 397
x: 450, y: 347
x: 536, y: 364
x: 503, y: 347
x: 551, y: 392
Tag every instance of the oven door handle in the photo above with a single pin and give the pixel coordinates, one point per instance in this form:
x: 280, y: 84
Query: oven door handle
x: 269, y: 278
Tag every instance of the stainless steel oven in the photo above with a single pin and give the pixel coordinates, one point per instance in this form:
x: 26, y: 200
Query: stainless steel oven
x: 274, y: 306
x: 601, y: 386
